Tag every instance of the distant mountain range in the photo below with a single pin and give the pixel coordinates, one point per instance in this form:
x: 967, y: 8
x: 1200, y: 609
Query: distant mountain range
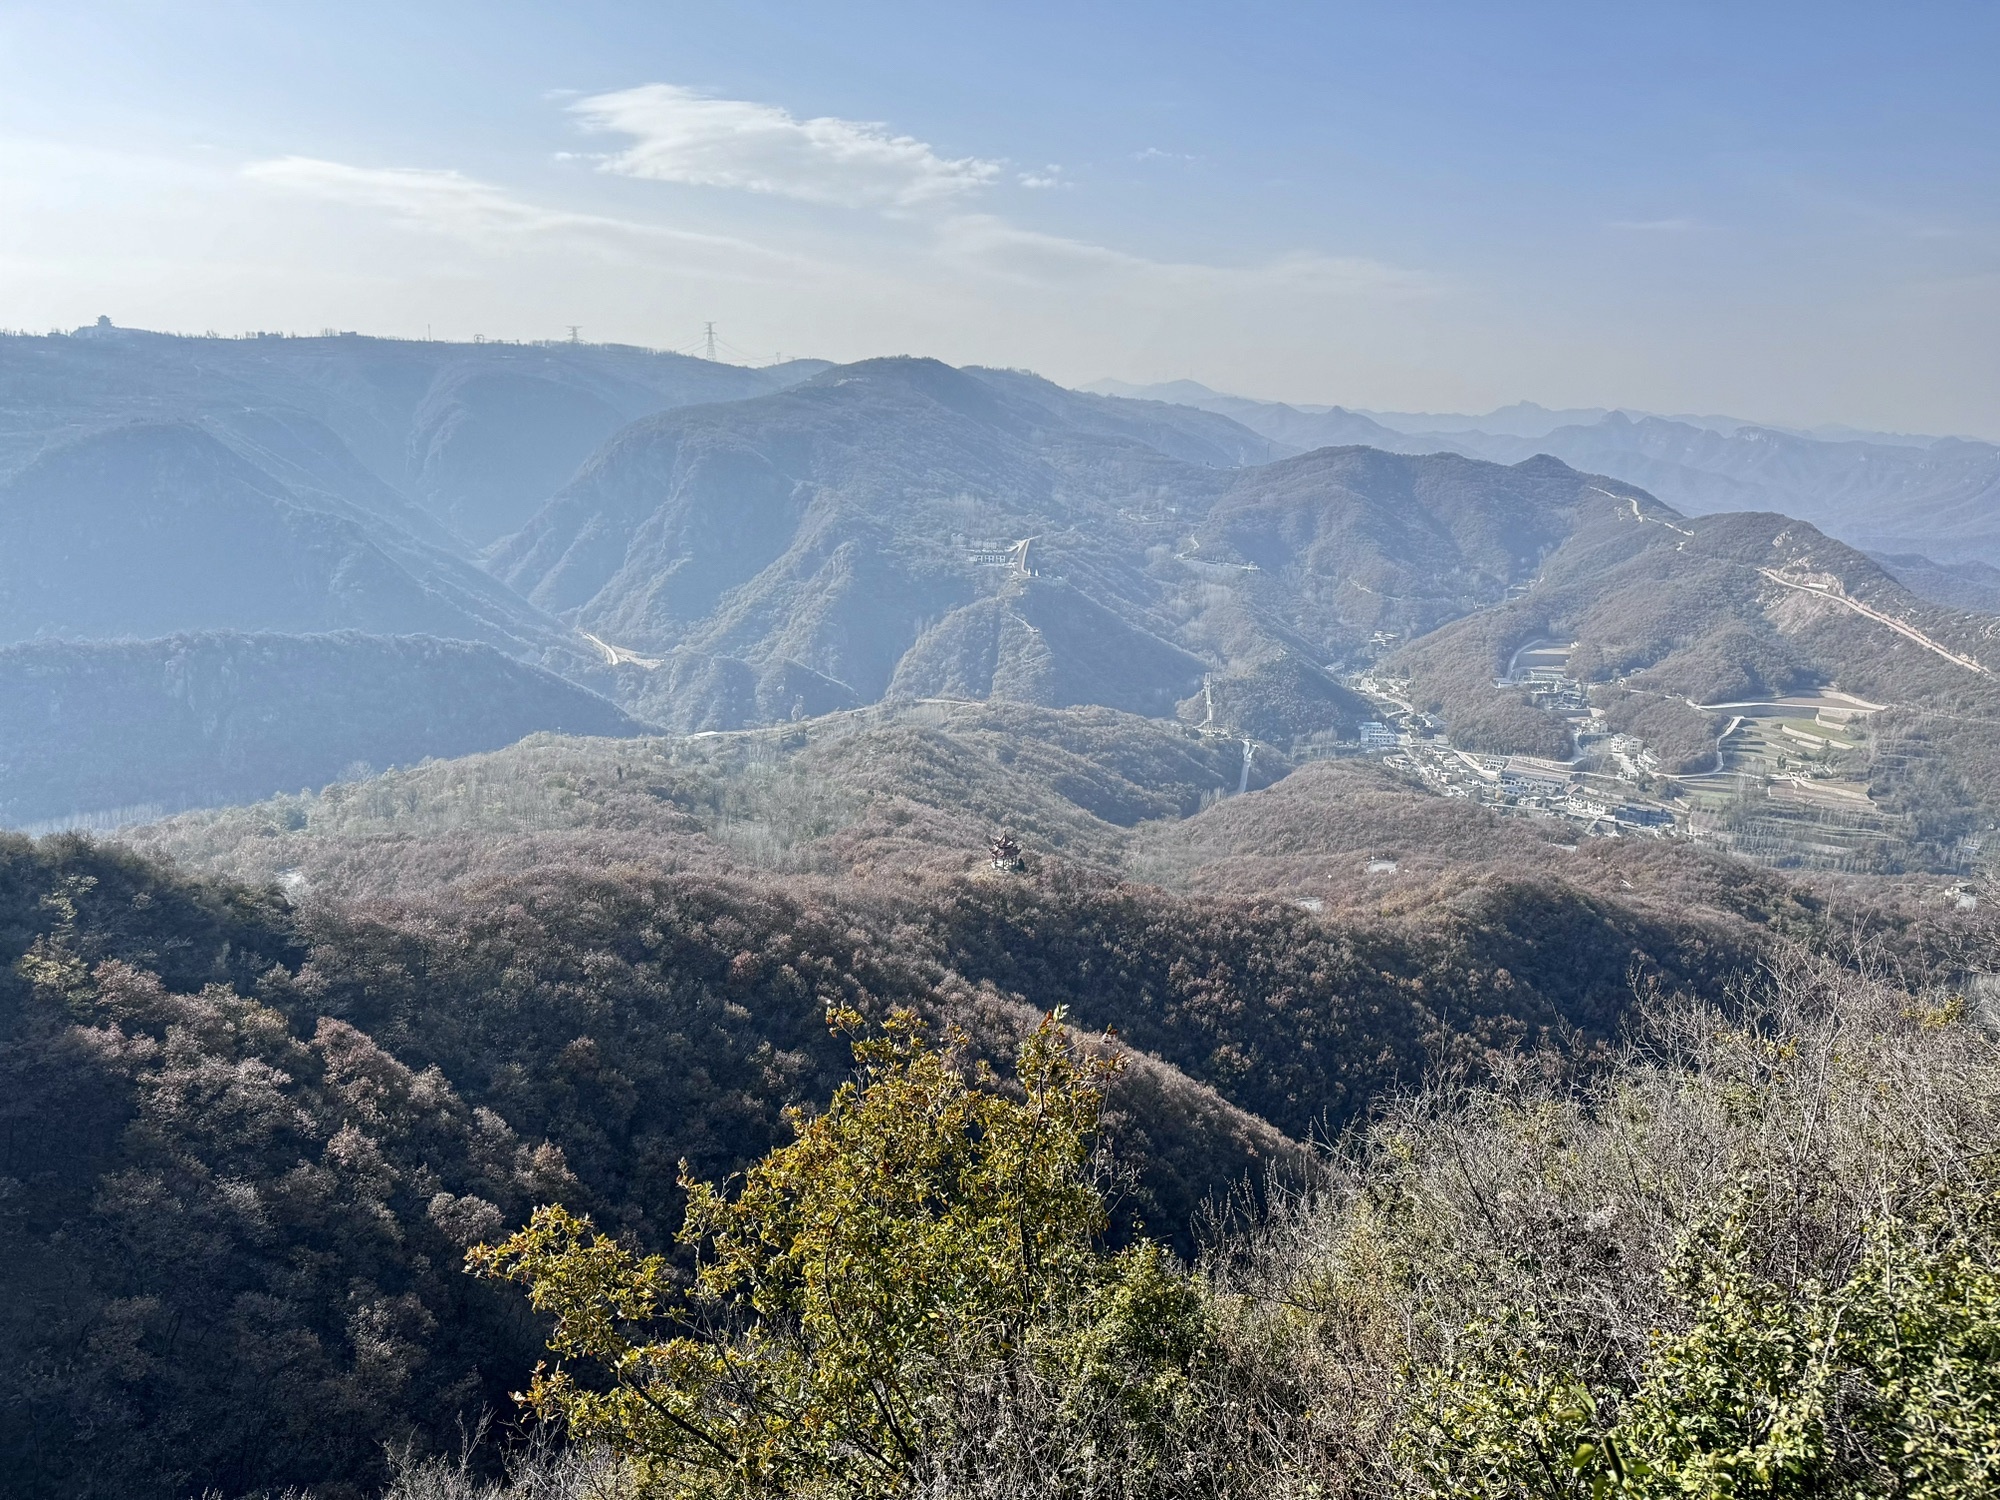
x: 699, y: 547
x: 157, y: 527
x: 477, y: 435
x: 839, y: 524
x: 1882, y: 492
x: 902, y: 528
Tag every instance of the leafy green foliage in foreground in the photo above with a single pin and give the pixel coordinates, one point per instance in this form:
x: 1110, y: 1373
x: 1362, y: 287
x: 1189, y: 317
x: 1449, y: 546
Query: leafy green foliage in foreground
x: 1757, y: 1257
x: 243, y: 1147
x: 924, y: 1231
x: 1887, y: 1385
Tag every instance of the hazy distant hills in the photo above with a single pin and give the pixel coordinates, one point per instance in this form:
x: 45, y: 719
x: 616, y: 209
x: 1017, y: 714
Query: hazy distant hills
x: 1525, y: 419
x: 151, y: 528
x: 834, y: 524
x: 478, y: 434
x: 1297, y: 428
x: 194, y: 720
x: 1958, y: 585
x: 1880, y: 492
x: 751, y: 562
x: 899, y: 527
x: 1942, y: 499
x: 1169, y: 427
x: 154, y: 485
x: 712, y: 548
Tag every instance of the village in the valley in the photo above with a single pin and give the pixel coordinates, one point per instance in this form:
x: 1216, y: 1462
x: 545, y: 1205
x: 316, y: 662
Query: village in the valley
x: 1787, y: 784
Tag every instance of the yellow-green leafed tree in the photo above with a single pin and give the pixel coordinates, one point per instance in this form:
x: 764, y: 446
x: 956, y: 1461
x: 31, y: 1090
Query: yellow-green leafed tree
x: 928, y: 1230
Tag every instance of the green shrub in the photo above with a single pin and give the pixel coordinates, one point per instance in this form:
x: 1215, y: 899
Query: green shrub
x: 927, y: 1232
x: 1888, y: 1385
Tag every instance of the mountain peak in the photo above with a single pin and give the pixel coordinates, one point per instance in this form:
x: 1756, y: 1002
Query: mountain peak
x: 919, y: 375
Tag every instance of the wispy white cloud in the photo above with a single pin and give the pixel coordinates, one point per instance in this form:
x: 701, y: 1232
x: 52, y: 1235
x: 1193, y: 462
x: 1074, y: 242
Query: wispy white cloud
x: 425, y: 198
x: 450, y: 203
x: 988, y: 244
x: 684, y: 136
x: 970, y: 249
x: 1050, y: 176
x: 949, y: 278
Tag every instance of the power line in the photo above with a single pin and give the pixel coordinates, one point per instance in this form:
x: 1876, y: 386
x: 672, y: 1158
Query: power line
x: 709, y: 344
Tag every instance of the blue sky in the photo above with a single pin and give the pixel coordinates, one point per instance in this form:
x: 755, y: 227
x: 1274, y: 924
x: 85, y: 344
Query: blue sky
x: 1787, y: 212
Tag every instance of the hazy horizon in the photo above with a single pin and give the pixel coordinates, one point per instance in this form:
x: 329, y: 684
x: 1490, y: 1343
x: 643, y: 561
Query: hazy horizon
x: 1784, y: 214
x: 1105, y: 385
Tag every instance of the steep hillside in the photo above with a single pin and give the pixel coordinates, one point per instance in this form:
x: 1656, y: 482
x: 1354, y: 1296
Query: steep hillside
x: 332, y: 1101
x: 696, y: 692
x: 1047, y: 643
x: 829, y: 524
x: 198, y: 720
x: 1931, y: 496
x: 896, y: 789
x: 246, y: 1144
x: 245, y: 1152
x: 1270, y: 1004
x: 902, y: 528
x: 1346, y: 541
x: 1280, y: 697
x: 152, y: 528
x: 1669, y: 615
x: 1723, y: 608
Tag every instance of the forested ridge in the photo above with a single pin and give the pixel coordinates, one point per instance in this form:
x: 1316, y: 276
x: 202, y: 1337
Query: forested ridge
x: 247, y: 1141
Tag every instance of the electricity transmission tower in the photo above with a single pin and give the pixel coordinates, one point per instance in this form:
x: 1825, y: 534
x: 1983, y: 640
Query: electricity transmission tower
x: 708, y: 341
x: 575, y: 329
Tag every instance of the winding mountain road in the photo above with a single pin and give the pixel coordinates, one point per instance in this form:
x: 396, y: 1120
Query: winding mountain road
x: 616, y: 655
x: 1832, y: 590
x: 1829, y: 589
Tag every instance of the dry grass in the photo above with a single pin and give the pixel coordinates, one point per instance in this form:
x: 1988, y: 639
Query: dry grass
x: 1833, y: 1094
